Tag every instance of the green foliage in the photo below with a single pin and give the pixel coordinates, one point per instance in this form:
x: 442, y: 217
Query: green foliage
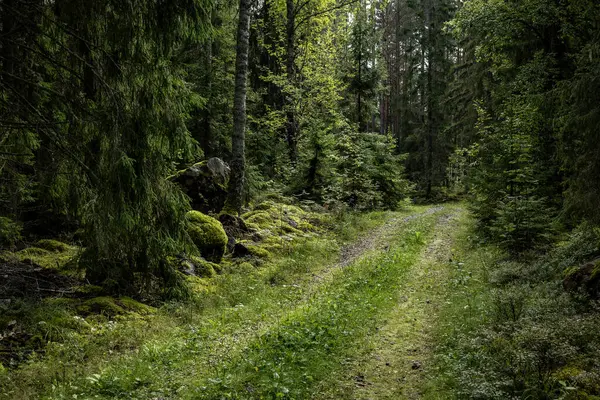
x: 521, y: 335
x: 10, y: 232
x: 105, y: 85
x: 507, y: 178
x: 371, y: 175
x: 207, y: 234
x: 532, y: 70
x: 129, y: 354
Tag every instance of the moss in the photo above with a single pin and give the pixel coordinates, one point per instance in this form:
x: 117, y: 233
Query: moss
x: 273, y: 248
x: 266, y: 205
x: 252, y: 226
x: 258, y: 251
x: 110, y: 307
x: 290, y: 229
x: 101, y: 305
x: 53, y: 245
x: 249, y: 214
x: 244, y: 268
x: 208, y: 235
x: 89, y: 290
x: 219, y: 267
x: 569, y: 272
x: 203, y: 268
x: 293, y: 210
x: 63, y: 302
x: 55, y: 259
x: 306, y: 226
x: 136, y: 306
x: 567, y: 373
x: 596, y: 270
x: 32, y: 252
x: 262, y: 219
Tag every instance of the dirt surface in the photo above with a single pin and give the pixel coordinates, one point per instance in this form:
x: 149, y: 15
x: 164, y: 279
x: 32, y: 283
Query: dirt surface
x: 376, y: 239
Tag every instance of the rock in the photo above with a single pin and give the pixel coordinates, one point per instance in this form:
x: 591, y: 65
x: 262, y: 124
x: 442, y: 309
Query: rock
x: 235, y: 228
x: 208, y: 235
x: 206, y: 184
x: 244, y: 250
x: 291, y: 222
x: 240, y: 250
x: 416, y: 365
x: 194, y: 266
x: 231, y: 242
x: 585, y: 277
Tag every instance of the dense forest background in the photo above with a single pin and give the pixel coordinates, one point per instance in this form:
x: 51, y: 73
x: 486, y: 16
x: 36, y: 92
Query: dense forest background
x: 356, y: 104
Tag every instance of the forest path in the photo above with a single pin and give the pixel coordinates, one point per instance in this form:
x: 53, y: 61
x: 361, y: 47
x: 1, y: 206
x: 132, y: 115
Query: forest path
x: 396, y: 362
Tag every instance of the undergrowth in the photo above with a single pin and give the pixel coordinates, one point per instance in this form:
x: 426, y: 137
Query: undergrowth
x: 520, y: 335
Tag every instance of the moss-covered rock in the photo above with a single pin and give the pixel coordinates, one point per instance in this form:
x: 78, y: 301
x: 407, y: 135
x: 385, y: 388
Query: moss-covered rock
x: 59, y: 258
x: 208, y: 235
x: 246, y: 249
x: 135, y: 306
x: 110, y: 307
x: 258, y: 251
x: 266, y: 205
x: 205, y: 183
x: 101, y: 305
x: 203, y: 268
x: 53, y: 245
x: 244, y: 268
x: 89, y: 290
x: 261, y: 219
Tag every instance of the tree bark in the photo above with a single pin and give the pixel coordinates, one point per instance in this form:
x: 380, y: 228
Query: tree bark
x: 238, y: 158
x: 291, y: 125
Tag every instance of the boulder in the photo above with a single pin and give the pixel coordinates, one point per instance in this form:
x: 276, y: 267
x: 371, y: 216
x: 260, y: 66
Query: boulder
x: 206, y: 184
x: 235, y: 228
x: 584, y: 278
x: 208, y: 235
x: 196, y: 266
x: 249, y: 250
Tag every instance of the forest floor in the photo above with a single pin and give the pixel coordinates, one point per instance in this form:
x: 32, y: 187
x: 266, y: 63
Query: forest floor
x: 326, y: 321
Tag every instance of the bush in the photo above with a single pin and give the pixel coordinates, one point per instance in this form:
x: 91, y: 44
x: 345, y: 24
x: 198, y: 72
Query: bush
x: 10, y: 232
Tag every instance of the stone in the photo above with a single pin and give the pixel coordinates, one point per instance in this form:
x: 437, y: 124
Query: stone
x: 205, y: 183
x: 208, y: 235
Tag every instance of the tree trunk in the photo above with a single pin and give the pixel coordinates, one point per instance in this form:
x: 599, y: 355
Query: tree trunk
x: 238, y: 158
x: 291, y: 126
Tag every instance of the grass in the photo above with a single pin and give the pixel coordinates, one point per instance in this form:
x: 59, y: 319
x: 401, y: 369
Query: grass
x: 140, y: 355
